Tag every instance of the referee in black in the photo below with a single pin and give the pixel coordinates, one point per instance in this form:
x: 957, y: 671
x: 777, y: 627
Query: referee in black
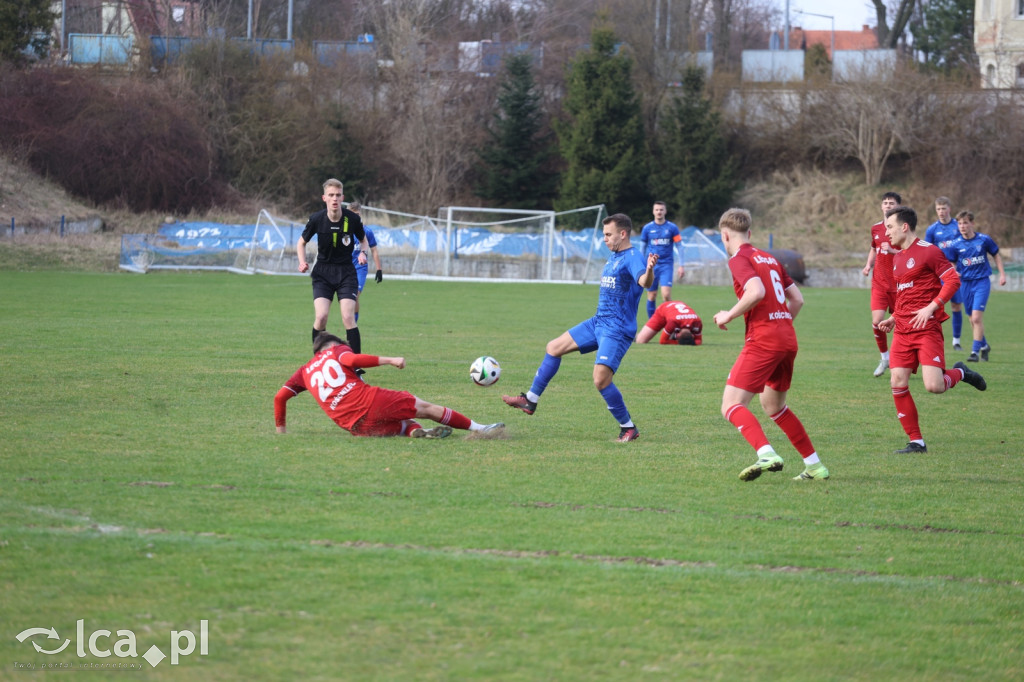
x: 337, y: 230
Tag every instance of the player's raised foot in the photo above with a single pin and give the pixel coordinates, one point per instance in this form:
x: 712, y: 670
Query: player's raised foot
x: 971, y: 377
x: 957, y: 346
x: 520, y: 402
x: 770, y: 462
x: 813, y: 472
x: 984, y: 352
x: 882, y: 366
x: 628, y: 433
x: 359, y: 371
x: 436, y: 432
x: 973, y: 357
x: 912, y: 447
x: 491, y: 428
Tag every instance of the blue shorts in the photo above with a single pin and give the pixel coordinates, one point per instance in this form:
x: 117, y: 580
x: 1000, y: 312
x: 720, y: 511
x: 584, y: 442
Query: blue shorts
x: 361, y: 271
x: 611, y: 346
x: 975, y: 294
x: 662, y: 275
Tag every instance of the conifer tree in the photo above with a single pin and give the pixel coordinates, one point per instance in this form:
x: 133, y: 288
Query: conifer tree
x: 602, y: 137
x: 693, y: 172
x: 516, y: 165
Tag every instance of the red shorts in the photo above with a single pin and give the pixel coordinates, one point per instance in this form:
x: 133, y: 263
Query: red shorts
x: 386, y: 414
x: 924, y: 348
x: 883, y: 300
x: 756, y: 368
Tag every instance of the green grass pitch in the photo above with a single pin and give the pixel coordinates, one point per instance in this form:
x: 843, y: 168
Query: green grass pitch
x: 143, y: 488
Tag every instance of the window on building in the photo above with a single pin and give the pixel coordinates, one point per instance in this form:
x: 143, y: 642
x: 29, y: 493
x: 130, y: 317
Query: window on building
x: 990, y: 76
x: 178, y: 14
x: 1020, y: 75
x: 1020, y: 8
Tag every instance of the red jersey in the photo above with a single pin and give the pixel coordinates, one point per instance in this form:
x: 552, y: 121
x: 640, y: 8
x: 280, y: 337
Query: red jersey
x: 673, y: 315
x: 769, y: 323
x: 918, y: 271
x: 881, y: 278
x: 331, y: 379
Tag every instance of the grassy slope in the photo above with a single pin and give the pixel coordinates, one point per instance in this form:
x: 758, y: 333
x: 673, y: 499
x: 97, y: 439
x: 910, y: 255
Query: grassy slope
x: 825, y: 217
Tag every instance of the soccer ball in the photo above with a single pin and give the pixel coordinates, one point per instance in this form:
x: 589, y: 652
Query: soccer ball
x: 485, y: 371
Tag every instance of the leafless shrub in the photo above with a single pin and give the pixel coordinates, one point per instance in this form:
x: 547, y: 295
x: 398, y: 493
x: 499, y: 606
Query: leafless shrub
x: 128, y: 142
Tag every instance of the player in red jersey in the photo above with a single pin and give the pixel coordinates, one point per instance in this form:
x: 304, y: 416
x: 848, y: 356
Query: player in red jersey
x: 678, y: 324
x: 883, y: 290
x: 768, y: 301
x: 359, y: 408
x: 925, y: 280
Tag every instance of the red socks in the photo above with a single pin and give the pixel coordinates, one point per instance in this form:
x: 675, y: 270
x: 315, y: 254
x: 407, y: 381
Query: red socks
x: 906, y: 412
x: 794, y: 430
x: 745, y: 421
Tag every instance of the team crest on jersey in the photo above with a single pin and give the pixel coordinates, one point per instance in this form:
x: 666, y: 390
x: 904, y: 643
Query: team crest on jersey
x: 910, y: 263
x: 346, y: 240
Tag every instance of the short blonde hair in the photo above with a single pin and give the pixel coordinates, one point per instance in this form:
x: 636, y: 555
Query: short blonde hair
x: 736, y: 220
x: 333, y: 182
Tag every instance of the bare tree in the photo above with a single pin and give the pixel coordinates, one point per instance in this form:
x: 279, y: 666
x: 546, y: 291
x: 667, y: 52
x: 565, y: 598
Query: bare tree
x: 889, y: 37
x: 870, y: 119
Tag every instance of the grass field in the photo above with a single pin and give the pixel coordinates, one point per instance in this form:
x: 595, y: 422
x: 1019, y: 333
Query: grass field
x: 143, y: 489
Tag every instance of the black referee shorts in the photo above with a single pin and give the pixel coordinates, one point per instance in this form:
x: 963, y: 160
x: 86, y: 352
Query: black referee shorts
x: 332, y: 278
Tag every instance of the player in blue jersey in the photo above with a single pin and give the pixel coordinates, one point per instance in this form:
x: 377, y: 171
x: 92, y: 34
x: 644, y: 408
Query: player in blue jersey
x: 609, y: 332
x: 661, y: 237
x: 943, y: 232
x: 970, y: 255
x: 361, y: 270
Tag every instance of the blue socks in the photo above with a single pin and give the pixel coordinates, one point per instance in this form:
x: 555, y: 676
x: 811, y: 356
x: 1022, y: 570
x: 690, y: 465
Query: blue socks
x: 545, y: 373
x: 616, y: 406
x: 651, y: 307
x: 958, y: 323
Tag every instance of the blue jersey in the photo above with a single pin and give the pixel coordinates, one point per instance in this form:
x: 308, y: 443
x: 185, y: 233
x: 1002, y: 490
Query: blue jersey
x: 660, y: 239
x: 941, y: 235
x: 371, y: 241
x: 620, y: 293
x: 971, y: 256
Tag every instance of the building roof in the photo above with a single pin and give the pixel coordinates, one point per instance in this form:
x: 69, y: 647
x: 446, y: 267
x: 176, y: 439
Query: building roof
x: 864, y: 39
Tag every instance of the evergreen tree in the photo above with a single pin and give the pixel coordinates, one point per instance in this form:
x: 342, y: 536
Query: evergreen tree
x: 343, y: 160
x: 602, y: 139
x: 25, y: 24
x: 516, y: 164
x: 944, y: 33
x: 694, y: 173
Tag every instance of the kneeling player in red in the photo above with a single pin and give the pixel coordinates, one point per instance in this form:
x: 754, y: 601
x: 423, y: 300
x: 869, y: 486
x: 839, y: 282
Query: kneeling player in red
x: 359, y: 408
x: 678, y: 324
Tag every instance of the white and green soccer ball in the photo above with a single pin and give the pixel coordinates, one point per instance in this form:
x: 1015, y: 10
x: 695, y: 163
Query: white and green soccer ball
x: 485, y: 371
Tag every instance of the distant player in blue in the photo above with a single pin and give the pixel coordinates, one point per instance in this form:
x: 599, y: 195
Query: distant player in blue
x: 609, y: 332
x: 361, y: 270
x: 970, y: 255
x: 943, y: 232
x: 660, y: 237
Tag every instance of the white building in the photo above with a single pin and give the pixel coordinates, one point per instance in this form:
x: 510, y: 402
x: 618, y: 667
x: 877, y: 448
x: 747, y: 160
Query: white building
x: 999, y: 42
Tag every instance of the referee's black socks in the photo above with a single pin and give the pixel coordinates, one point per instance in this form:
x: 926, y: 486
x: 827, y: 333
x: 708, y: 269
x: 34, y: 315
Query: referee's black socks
x: 354, y: 340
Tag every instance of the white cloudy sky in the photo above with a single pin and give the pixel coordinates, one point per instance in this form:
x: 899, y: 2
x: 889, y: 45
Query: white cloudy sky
x: 849, y: 15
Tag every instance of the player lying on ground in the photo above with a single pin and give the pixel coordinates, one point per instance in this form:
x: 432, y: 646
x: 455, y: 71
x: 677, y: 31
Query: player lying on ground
x: 678, y: 324
x: 359, y: 408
